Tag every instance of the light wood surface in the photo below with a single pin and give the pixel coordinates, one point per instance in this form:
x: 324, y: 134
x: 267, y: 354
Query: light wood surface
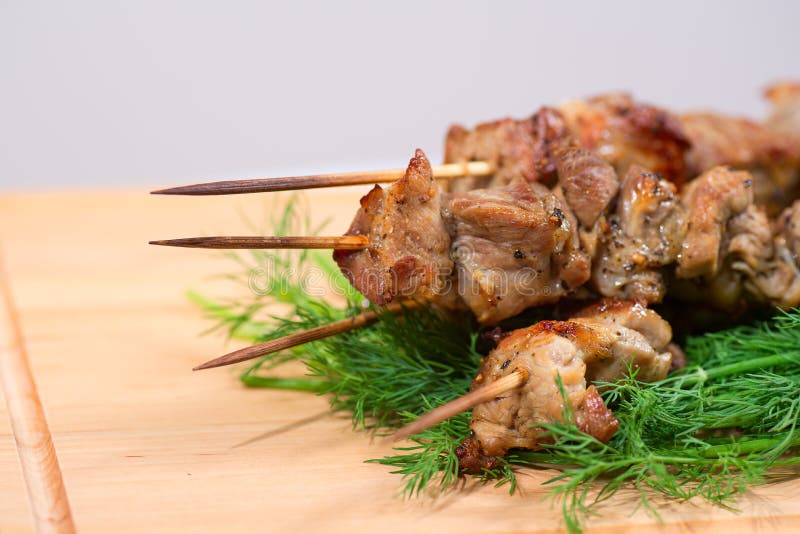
x: 145, y: 444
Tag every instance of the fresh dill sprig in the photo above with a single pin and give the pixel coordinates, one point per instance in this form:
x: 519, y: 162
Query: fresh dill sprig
x: 710, y: 430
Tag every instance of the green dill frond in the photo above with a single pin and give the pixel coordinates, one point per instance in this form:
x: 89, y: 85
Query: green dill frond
x: 433, y: 457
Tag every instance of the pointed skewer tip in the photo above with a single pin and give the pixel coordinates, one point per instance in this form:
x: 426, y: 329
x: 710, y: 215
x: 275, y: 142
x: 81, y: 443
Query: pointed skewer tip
x: 237, y: 356
x: 306, y: 336
x: 199, y: 189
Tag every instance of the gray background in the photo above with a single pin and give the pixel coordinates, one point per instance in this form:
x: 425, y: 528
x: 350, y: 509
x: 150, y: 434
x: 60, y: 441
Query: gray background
x: 142, y: 93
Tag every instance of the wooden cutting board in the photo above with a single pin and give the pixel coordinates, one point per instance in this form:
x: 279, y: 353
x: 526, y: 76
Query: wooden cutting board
x: 145, y: 444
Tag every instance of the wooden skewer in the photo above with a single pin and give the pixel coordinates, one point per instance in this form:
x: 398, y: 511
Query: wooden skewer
x: 37, y: 454
x: 456, y: 406
x: 306, y: 336
x: 344, y: 242
x: 289, y: 183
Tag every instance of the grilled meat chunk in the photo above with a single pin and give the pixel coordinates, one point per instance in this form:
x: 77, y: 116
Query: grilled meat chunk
x: 624, y: 132
x: 554, y: 214
x: 589, y: 183
x: 613, y: 127
x: 552, y: 135
x: 747, y: 247
x: 784, y: 118
x: 514, y: 247
x: 769, y: 257
x: 725, y: 140
x: 507, y: 144
x: 409, y: 248
x: 755, y: 265
x: 515, y: 148
x: 631, y: 315
x: 471, y: 459
x: 770, y: 157
x: 644, y: 236
x: 787, y: 259
x: 599, y: 344
x: 711, y: 200
x: 788, y: 230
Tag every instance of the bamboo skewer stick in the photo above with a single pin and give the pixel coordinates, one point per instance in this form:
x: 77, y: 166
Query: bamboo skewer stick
x: 306, y: 336
x: 465, y: 402
x: 46, y: 492
x: 345, y: 242
x: 290, y: 183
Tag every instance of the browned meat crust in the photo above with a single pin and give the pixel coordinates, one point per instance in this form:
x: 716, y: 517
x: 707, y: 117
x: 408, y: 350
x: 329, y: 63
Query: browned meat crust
x: 643, y: 236
x: 514, y: 247
x: 517, y: 149
x: 770, y: 156
x: 471, y: 458
x: 613, y: 127
x: 784, y: 118
x: 624, y: 132
x: 552, y: 134
x: 767, y: 256
x: 589, y: 183
x: 784, y: 122
x: 784, y: 91
x: 507, y: 144
x: 712, y: 200
x: 724, y: 140
x: 598, y: 420
x: 631, y: 315
x: 408, y: 253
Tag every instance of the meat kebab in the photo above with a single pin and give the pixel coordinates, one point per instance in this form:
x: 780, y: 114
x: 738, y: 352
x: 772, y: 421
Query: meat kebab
x: 605, y: 199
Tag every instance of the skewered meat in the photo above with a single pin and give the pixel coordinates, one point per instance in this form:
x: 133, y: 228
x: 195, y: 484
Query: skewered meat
x: 589, y: 183
x: 771, y: 158
x: 711, y: 200
x: 613, y: 127
x: 784, y: 118
x: 644, y: 235
x: 499, y: 251
x: 624, y: 132
x: 554, y: 218
x: 600, y: 344
x: 768, y: 257
x: 509, y: 145
x: 409, y: 249
x: 514, y: 247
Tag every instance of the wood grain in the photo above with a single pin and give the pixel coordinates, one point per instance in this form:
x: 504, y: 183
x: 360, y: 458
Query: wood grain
x: 37, y: 455
x: 145, y: 444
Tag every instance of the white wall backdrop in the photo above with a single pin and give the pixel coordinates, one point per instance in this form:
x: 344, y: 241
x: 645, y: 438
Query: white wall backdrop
x: 143, y: 93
